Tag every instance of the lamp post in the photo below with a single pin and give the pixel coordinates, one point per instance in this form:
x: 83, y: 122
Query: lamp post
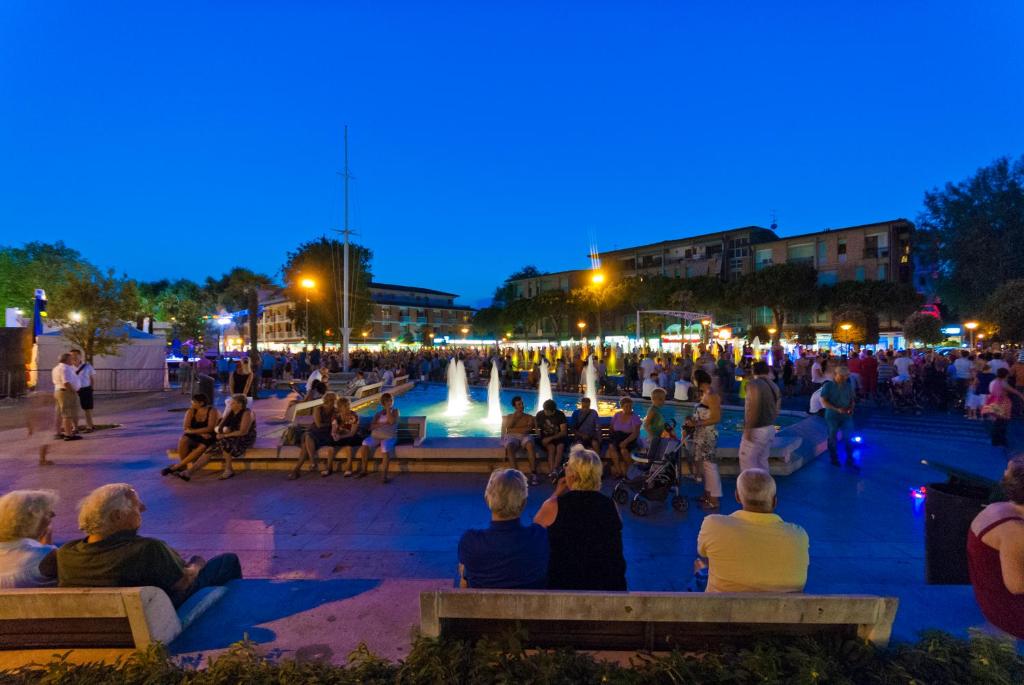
x: 846, y: 329
x: 464, y: 332
x: 581, y: 325
x: 971, y: 325
x: 307, y: 284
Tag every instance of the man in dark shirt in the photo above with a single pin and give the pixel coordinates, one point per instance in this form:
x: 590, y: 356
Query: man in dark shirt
x: 839, y: 398
x: 114, y: 555
x: 554, y: 432
x: 507, y: 555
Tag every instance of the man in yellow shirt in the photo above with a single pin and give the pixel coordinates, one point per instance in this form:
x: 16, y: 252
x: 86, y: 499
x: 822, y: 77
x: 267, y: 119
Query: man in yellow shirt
x: 754, y: 550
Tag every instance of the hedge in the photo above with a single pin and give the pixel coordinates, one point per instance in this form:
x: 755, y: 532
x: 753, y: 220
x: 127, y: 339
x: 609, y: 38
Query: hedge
x: 936, y: 659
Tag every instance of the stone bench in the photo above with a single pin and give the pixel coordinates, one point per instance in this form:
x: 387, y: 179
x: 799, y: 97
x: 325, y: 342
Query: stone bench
x: 655, y: 621
x: 127, y: 618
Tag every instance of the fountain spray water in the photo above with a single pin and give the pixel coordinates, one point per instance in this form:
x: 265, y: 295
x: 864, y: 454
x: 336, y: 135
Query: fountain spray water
x: 592, y: 381
x: 458, y: 388
x: 544, y: 387
x: 494, y: 396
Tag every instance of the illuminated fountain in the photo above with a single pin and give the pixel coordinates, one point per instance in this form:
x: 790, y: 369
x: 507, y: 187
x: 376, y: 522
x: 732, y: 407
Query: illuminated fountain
x: 544, y: 386
x: 494, y: 396
x: 592, y: 381
x: 458, y: 388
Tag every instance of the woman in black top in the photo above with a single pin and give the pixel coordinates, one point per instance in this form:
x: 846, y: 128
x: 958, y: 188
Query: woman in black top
x: 584, y: 529
x: 235, y: 433
x: 240, y: 381
x: 197, y: 436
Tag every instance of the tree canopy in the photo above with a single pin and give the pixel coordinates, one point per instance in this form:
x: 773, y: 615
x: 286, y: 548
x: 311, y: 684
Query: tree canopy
x: 91, y: 309
x: 924, y: 328
x: 1005, y: 308
x: 973, y: 233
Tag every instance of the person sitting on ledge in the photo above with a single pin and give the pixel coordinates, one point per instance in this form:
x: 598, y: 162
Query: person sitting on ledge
x: 753, y: 549
x: 198, y: 436
x: 318, y: 435
x: 516, y: 429
x: 26, y: 537
x: 383, y: 435
x: 995, y: 554
x: 586, y: 430
x: 114, y: 554
x: 508, y: 554
x: 584, y: 529
x: 235, y: 433
x: 553, y: 432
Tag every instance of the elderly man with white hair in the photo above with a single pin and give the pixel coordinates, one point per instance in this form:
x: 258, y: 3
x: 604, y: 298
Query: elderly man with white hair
x: 753, y: 549
x: 839, y: 398
x: 26, y: 537
x: 114, y: 554
x: 508, y: 554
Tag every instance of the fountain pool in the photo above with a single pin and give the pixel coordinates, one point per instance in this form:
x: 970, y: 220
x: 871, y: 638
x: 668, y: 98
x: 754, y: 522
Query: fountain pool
x: 431, y: 400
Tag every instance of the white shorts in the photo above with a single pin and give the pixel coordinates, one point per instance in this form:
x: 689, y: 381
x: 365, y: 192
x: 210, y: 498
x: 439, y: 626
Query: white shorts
x: 388, y: 444
x: 516, y: 440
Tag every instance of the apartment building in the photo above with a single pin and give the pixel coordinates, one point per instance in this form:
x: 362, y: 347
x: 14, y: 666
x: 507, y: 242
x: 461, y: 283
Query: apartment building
x: 396, y: 310
x: 875, y: 251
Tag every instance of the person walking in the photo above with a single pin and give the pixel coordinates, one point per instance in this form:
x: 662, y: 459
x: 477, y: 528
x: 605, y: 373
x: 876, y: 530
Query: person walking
x: 839, y: 400
x: 761, y: 409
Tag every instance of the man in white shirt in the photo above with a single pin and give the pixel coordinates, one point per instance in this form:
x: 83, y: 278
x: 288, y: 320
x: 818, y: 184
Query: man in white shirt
x: 85, y: 373
x: 903, y: 365
x: 963, y: 366
x: 647, y: 365
x: 65, y: 391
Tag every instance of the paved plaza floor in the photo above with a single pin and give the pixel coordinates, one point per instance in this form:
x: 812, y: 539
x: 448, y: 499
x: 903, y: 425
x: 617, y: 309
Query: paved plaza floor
x: 333, y: 562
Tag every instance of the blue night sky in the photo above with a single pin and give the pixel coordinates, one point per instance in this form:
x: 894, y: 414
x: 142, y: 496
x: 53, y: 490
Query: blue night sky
x: 180, y: 139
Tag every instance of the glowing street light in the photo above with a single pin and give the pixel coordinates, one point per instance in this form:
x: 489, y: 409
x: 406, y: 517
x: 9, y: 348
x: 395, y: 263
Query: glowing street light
x: 76, y: 317
x: 308, y: 284
x: 597, y: 278
x: 464, y: 331
x: 971, y: 325
x: 846, y: 326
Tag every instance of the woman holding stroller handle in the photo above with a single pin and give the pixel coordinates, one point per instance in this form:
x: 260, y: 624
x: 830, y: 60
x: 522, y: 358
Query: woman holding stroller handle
x: 625, y: 431
x: 705, y: 440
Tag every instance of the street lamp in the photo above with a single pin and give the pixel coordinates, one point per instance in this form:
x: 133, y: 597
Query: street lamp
x: 307, y: 284
x: 846, y: 329
x: 464, y: 332
x: 971, y: 325
x: 76, y: 317
x: 581, y: 325
x: 597, y: 278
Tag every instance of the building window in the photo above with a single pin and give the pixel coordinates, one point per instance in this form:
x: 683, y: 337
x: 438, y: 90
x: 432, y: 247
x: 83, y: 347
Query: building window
x: 763, y: 258
x: 822, y: 252
x: 860, y: 273
x: 841, y: 251
x: 876, y: 246
x: 800, y: 254
x: 827, y: 277
x: 883, y: 272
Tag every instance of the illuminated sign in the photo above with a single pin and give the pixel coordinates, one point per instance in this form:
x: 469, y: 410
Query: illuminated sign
x: 951, y: 330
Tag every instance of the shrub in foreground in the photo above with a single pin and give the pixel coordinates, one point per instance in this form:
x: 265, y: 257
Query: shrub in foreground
x: 937, y: 659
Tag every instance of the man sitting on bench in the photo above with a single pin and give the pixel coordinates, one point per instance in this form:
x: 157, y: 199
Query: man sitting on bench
x: 753, y: 550
x: 114, y: 555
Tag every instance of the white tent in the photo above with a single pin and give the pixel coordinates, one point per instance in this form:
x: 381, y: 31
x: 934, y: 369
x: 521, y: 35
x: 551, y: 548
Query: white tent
x: 139, y: 364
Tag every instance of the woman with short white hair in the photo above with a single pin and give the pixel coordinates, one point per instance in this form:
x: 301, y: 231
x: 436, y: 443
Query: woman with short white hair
x: 584, y: 529
x: 25, y: 537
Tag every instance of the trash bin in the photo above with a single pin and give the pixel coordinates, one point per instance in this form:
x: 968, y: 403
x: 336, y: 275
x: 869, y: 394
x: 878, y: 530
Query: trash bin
x: 949, y: 509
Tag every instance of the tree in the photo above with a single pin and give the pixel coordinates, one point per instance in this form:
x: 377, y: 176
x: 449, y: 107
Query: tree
x: 759, y: 332
x: 236, y: 291
x: 489, y: 321
x: 925, y: 328
x: 896, y: 301
x: 972, y: 231
x: 322, y: 261
x: 91, y: 309
x: 506, y: 292
x: 783, y: 288
x: 36, y: 265
x: 806, y: 335
x: 1005, y: 308
x: 862, y: 325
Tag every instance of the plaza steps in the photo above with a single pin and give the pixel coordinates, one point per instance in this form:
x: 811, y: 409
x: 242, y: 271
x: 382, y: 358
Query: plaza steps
x: 949, y: 426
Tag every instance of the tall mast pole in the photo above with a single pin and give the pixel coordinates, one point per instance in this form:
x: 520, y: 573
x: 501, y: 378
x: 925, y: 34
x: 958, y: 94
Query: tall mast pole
x: 346, y: 331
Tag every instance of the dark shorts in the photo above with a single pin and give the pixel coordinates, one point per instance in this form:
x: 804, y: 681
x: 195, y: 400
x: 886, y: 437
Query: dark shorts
x: 197, y: 440
x: 85, y: 398
x: 564, y: 442
x: 267, y: 373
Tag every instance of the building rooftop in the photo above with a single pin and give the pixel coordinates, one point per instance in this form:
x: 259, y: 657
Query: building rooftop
x: 672, y: 241
x: 409, y: 289
x: 845, y: 228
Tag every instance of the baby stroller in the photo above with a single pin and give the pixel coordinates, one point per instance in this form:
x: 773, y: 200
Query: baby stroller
x: 657, y: 480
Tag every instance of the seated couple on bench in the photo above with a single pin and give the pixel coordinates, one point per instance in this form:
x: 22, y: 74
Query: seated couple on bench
x: 575, y: 541
x: 112, y: 554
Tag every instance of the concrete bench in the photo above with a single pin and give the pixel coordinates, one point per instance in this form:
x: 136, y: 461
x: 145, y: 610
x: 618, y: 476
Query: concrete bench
x: 95, y: 618
x: 657, y: 621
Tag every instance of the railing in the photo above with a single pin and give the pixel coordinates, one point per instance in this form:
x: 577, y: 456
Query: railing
x: 114, y: 380
x: 12, y: 383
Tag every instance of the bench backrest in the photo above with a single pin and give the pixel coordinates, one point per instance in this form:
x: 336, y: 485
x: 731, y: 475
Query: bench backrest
x: 86, y: 617
x: 367, y: 390
x: 651, y: 620
x: 411, y: 429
